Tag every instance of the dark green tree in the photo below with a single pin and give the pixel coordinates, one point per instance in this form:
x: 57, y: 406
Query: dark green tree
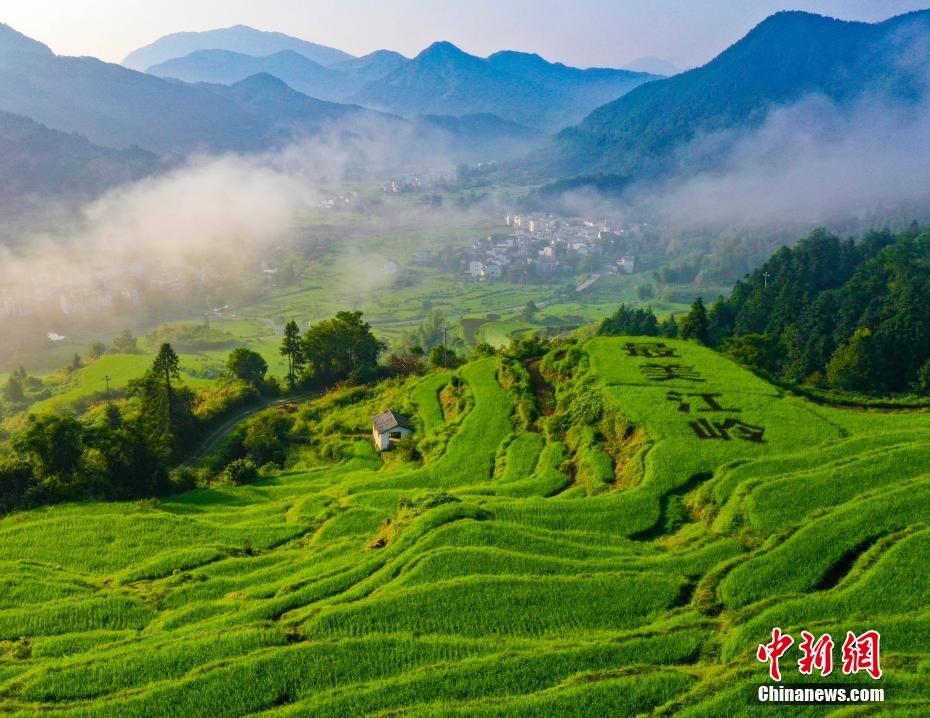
x: 53, y: 444
x: 668, y: 327
x: 854, y: 365
x: 340, y: 348
x: 113, y: 418
x: 923, y: 379
x: 719, y: 322
x: 13, y: 391
x: 292, y: 348
x: 694, y: 324
x: 167, y: 366
x: 16, y: 477
x: 128, y: 461
x: 265, y: 437
x: 166, y: 411
x: 125, y: 343
x: 760, y: 350
x: 529, y: 311
x: 443, y: 358
x: 627, y: 321
x: 248, y: 366
x: 96, y: 350
x: 241, y: 471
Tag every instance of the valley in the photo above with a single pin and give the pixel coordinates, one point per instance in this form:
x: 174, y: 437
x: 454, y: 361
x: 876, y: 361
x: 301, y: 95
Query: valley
x: 478, y: 360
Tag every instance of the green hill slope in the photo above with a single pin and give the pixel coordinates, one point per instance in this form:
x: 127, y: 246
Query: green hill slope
x: 626, y: 559
x: 789, y: 56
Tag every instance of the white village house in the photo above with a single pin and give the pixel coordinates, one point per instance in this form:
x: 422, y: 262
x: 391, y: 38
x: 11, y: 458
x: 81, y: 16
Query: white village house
x: 388, y: 427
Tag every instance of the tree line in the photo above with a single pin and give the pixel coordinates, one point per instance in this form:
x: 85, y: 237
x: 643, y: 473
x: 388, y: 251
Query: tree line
x: 124, y: 450
x: 828, y: 312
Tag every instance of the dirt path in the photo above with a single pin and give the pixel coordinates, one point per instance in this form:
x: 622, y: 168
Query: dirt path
x: 215, y: 438
x: 545, y: 397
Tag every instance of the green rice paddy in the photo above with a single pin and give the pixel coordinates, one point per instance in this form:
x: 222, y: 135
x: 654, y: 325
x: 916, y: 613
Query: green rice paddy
x: 623, y: 557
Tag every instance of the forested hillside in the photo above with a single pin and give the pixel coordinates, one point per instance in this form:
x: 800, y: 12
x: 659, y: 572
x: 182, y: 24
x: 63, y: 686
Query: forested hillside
x: 853, y: 314
x: 38, y: 162
x: 828, y: 312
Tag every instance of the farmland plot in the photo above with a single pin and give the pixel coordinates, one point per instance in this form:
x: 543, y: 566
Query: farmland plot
x: 623, y: 556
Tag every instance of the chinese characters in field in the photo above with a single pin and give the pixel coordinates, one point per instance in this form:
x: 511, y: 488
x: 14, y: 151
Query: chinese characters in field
x: 694, y: 403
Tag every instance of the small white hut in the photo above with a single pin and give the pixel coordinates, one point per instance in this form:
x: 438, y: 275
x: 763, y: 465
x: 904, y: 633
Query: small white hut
x: 388, y: 427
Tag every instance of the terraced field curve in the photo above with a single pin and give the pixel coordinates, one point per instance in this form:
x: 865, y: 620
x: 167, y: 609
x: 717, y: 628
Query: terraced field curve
x: 624, y: 556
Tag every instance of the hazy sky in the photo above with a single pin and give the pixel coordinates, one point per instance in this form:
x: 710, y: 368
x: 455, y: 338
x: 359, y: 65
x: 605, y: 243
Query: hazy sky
x: 577, y: 32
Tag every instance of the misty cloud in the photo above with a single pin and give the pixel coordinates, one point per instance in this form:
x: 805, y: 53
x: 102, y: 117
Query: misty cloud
x: 809, y: 163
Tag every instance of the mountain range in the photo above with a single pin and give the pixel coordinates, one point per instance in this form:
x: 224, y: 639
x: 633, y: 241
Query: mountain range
x: 788, y: 57
x: 44, y: 172
x: 239, y: 39
x: 337, y: 83
x: 653, y: 65
x: 516, y: 86
x: 116, y: 107
x: 443, y: 79
x: 261, y: 90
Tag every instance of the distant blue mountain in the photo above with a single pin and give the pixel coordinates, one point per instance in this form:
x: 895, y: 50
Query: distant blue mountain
x: 373, y: 66
x: 39, y: 164
x: 335, y: 83
x: 241, y: 39
x: 115, y: 107
x: 225, y: 67
x: 15, y: 43
x: 290, y: 114
x: 653, y: 65
x: 515, y: 86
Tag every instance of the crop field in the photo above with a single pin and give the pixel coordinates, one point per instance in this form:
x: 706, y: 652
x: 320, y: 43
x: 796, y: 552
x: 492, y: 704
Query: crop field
x: 89, y: 383
x: 624, y: 555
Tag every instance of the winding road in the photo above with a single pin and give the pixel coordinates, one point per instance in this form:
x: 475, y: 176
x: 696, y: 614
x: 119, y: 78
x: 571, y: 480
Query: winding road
x: 215, y: 437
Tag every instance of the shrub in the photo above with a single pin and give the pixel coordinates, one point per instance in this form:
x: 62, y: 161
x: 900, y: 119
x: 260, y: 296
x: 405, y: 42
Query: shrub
x: 406, y: 449
x: 183, y: 479
x: 241, y: 471
x: 147, y: 506
x: 266, y: 435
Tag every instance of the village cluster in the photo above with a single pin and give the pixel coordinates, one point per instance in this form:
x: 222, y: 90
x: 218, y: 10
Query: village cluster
x: 544, y: 245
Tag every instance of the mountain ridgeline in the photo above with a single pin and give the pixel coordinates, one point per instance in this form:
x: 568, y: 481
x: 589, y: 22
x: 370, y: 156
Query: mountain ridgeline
x: 246, y: 91
x: 516, y: 86
x: 239, y: 39
x: 45, y: 173
x: 441, y: 80
x: 652, y: 130
x: 115, y: 107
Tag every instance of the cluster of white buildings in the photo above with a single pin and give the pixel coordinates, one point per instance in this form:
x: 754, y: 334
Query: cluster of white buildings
x: 414, y: 183
x: 549, y: 244
x: 339, y: 201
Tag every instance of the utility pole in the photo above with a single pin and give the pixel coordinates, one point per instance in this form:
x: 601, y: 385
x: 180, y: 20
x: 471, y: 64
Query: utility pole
x: 106, y: 378
x: 765, y: 277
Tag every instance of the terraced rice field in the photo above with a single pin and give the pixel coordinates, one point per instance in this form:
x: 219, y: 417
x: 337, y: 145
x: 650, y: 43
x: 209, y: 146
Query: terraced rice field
x: 625, y: 559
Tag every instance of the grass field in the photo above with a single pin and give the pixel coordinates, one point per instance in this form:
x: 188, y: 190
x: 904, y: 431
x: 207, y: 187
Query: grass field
x: 624, y: 556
